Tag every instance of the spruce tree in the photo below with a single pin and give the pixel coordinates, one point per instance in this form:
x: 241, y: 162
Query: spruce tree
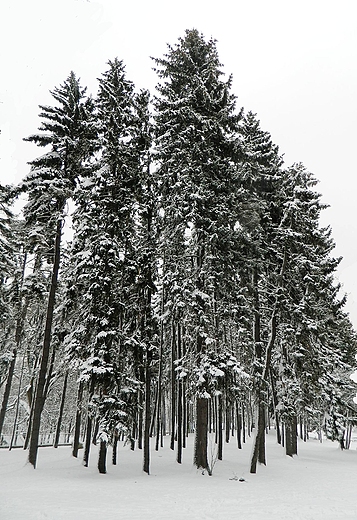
x: 67, y: 129
x: 195, y: 147
x: 104, y: 266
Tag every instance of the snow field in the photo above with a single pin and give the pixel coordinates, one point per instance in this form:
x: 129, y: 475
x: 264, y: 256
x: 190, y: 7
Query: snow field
x: 320, y: 483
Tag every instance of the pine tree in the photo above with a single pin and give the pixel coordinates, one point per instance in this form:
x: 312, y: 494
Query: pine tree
x: 313, y: 311
x: 11, y: 269
x: 103, y: 269
x: 266, y: 260
x: 67, y: 129
x: 195, y: 146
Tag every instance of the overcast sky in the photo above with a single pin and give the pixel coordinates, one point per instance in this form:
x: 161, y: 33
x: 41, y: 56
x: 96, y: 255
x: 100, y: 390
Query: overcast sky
x: 293, y: 62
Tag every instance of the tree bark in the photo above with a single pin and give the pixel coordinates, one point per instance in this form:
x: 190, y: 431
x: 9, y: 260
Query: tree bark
x: 115, y: 447
x: 291, y: 436
x: 77, y: 427
x: 40, y: 395
x: 258, y: 452
x: 259, y: 441
x: 159, y: 377
x: 17, y: 404
x: 228, y: 421
x: 239, y: 427
x: 179, y: 400
x: 200, y: 453
x: 220, y: 427
x: 275, y: 403
x: 22, y: 311
x: 7, y: 390
x: 146, y: 452
x: 102, y: 457
x: 89, y: 425
x: 60, y: 414
x: 173, y: 387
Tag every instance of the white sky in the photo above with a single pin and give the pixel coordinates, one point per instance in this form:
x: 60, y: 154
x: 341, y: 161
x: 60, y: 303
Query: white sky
x: 293, y: 62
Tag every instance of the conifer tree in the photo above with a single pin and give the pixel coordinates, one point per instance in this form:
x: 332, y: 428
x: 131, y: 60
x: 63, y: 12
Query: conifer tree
x: 261, y: 174
x: 11, y: 265
x: 66, y: 128
x: 195, y: 146
x: 104, y: 268
x: 313, y: 310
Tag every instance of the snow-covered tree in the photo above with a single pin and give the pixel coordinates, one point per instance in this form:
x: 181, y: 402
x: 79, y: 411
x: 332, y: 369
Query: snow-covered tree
x: 195, y: 149
x: 67, y: 129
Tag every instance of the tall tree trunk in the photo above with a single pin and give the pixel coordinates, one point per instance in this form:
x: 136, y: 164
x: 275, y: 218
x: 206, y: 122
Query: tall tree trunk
x: 184, y: 416
x: 200, y: 456
x: 159, y: 377
x: 7, y: 390
x: 95, y: 431
x: 173, y: 386
x: 228, y: 420
x: 115, y: 447
x: 14, y: 430
x: 179, y: 400
x: 28, y: 433
x: 60, y: 413
x: 21, y: 315
x: 239, y: 426
x: 102, y: 457
x: 259, y: 441
x: 291, y: 436
x: 259, y: 436
x: 40, y: 395
x: 200, y: 451
x: 275, y: 403
x: 220, y: 427
x: 258, y: 452
x: 140, y: 416
x: 154, y: 413
x: 146, y: 452
x: 89, y: 425
x: 77, y: 426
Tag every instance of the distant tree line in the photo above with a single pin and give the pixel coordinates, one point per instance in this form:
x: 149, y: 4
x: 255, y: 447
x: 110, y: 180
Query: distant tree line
x: 197, y: 294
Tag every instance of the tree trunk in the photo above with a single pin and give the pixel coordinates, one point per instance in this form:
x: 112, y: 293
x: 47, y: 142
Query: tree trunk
x: 291, y: 436
x: 184, y: 416
x: 60, y: 414
x: 179, y: 401
x: 77, y: 427
x: 28, y: 433
x: 220, y: 428
x: 258, y: 452
x: 22, y: 311
x: 89, y: 425
x: 6, y: 395
x: 200, y: 453
x: 87, y: 441
x: 14, y: 430
x: 275, y: 403
x: 102, y: 457
x: 173, y: 387
x: 239, y: 427
x: 40, y: 395
x: 146, y: 454
x: 140, y: 420
x: 159, y: 377
x: 115, y: 447
x: 95, y: 431
x: 228, y: 421
x: 259, y: 441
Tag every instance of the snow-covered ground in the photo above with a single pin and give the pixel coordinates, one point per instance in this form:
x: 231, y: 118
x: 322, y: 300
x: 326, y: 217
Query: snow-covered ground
x: 320, y: 483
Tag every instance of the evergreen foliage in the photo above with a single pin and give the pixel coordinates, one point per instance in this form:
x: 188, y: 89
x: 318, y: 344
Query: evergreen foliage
x: 197, y: 293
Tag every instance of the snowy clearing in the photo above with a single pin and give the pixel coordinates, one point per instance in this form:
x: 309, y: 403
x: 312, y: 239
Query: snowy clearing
x: 320, y: 483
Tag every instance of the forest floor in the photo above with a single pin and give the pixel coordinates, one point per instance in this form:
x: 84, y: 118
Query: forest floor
x: 319, y: 483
